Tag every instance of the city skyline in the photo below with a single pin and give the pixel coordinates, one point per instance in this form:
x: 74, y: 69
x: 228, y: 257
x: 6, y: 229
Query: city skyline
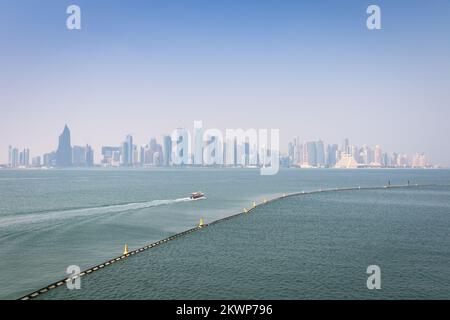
x: 311, y: 69
x: 300, y: 153
x: 284, y: 146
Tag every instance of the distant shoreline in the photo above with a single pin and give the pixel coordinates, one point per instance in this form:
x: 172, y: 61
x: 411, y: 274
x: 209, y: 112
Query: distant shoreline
x: 212, y: 167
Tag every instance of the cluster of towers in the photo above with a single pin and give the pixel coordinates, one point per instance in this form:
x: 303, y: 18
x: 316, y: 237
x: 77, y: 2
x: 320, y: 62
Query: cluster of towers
x: 318, y: 154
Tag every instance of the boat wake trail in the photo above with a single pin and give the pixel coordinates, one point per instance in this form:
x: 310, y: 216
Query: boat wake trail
x: 84, y: 212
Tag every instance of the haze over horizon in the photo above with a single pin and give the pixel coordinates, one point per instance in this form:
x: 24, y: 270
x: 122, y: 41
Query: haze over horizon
x: 310, y: 69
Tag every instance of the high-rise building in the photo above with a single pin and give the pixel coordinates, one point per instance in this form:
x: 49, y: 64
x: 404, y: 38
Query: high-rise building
x: 309, y: 154
x: 366, y: 155
x: 130, y: 150
x: 124, y: 154
x: 394, y: 159
x: 235, y: 153
x: 135, y: 155
x: 198, y: 143
x: 378, y: 156
x: 142, y: 157
x: 50, y: 159
x: 181, y: 153
x: 64, y: 152
x: 298, y: 152
x: 10, y: 157
x: 403, y: 160
x: 89, y: 156
x: 156, y: 158
x: 116, y: 158
x: 21, y: 158
x: 127, y: 153
x: 385, y: 159
x: 345, y: 146
x: 78, y: 156
x: 291, y: 152
x: 24, y: 158
x: 82, y: 156
x: 153, y: 145
x: 36, y: 162
x: 224, y: 153
x: 167, y: 150
x: 246, y: 153
x: 332, y: 151
x: 213, y: 151
x: 320, y: 153
x: 15, y: 158
x: 148, y: 153
x: 111, y: 155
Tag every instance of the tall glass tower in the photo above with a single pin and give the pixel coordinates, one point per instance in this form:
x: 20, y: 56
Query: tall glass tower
x: 167, y: 150
x: 64, y: 152
x: 130, y: 158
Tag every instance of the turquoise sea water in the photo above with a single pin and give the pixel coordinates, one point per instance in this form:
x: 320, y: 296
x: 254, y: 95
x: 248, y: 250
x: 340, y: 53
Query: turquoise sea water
x: 314, y: 246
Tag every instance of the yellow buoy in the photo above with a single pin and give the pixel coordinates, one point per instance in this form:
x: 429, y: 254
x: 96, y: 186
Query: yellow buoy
x: 245, y: 210
x: 125, y: 250
x: 254, y: 204
x: 201, y: 223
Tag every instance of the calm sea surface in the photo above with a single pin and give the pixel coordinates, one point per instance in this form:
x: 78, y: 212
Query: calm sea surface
x: 312, y: 246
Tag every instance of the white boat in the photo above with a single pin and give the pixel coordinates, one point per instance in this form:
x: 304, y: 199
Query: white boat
x: 197, y: 195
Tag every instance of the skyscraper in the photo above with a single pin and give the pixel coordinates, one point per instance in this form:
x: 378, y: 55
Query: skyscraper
x: 127, y: 152
x: 15, y: 161
x: 78, y: 156
x: 142, y: 157
x: 298, y: 152
x: 332, y: 155
x: 213, y: 151
x: 64, y: 152
x: 320, y: 153
x: 89, y: 156
x: 24, y: 157
x: 291, y: 150
x: 181, y: 147
x: 10, y: 157
x: 224, y: 155
x: 355, y: 153
x: 111, y: 155
x: 36, y: 162
x: 156, y: 159
x: 378, y: 156
x: 82, y: 156
x: 345, y: 146
x: 50, y: 159
x: 385, y: 159
x: 394, y: 159
x: 130, y: 151
x: 135, y: 157
x: 366, y: 155
x: 124, y: 154
x: 167, y: 150
x: 246, y: 153
x: 310, y: 154
x: 198, y: 143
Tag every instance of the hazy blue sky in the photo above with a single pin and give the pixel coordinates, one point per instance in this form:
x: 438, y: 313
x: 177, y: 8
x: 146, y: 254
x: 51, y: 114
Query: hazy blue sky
x: 310, y: 68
